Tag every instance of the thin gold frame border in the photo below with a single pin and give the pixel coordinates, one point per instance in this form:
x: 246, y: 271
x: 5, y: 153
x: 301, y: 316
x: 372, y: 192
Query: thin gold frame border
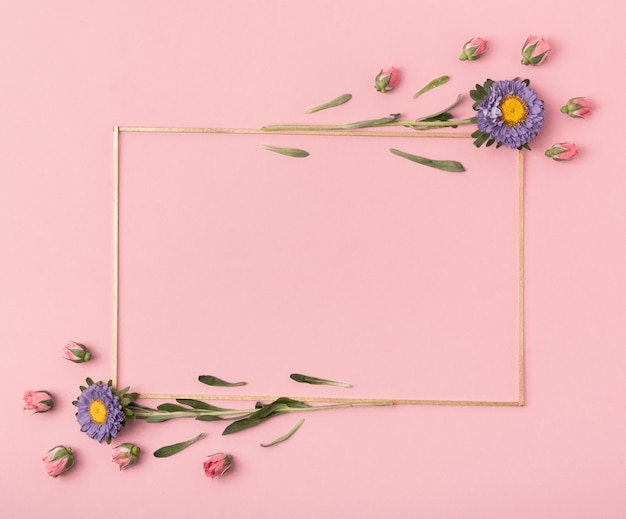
x: 348, y: 133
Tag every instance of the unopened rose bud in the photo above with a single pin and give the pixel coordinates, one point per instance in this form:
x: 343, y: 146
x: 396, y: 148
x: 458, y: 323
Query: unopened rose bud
x: 58, y: 460
x: 38, y: 401
x: 76, y: 352
x: 217, y: 465
x: 562, y: 151
x: 126, y: 455
x: 473, y: 49
x: 578, y: 107
x: 535, y: 51
x: 387, y: 79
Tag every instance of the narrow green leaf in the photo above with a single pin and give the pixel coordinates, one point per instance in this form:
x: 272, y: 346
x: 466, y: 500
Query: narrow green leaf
x: 445, y: 165
x: 199, y: 404
x: 475, y: 95
x: 170, y: 450
x: 158, y: 418
x: 170, y: 408
x: 290, y: 402
x: 305, y: 379
x: 371, y: 123
x: 90, y: 382
x: 244, y: 423
x: 446, y: 109
x: 442, y: 80
x: 214, y: 381
x: 286, y: 436
x: 331, y: 104
x: 289, y: 152
x: 481, y: 140
x: 208, y: 418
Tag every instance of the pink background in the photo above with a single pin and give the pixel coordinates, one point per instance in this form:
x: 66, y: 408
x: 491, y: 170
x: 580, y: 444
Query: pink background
x: 71, y: 71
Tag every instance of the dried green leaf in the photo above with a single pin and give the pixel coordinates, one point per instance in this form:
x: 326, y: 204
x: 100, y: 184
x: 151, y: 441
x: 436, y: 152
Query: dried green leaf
x: 289, y: 152
x: 331, y: 104
x: 433, y: 84
x: 305, y: 379
x: 170, y: 450
x: 445, y: 165
x: 285, y: 436
x: 210, y: 380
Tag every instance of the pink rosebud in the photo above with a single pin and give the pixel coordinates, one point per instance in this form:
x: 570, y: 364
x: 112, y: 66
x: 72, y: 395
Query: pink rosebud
x: 76, y: 352
x: 38, y: 401
x: 126, y: 455
x: 217, y: 465
x: 577, y: 107
x: 562, y: 151
x: 535, y: 51
x: 473, y: 49
x: 387, y: 79
x: 58, y: 460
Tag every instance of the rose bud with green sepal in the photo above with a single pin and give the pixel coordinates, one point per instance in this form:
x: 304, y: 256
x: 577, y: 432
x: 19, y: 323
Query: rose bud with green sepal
x: 387, y: 79
x: 562, y: 151
x: 58, y: 460
x: 578, y: 107
x: 76, y: 352
x: 126, y: 455
x: 38, y: 401
x: 535, y: 51
x: 217, y: 465
x: 473, y: 49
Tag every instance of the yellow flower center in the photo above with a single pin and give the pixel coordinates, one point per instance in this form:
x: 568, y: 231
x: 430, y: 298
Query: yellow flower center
x: 98, y: 412
x: 513, y: 110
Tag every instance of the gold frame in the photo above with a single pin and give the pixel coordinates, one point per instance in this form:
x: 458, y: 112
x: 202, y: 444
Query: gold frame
x: 360, y: 133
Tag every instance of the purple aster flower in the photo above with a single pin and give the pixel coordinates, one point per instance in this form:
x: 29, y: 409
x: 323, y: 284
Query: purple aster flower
x: 100, y: 413
x: 511, y: 114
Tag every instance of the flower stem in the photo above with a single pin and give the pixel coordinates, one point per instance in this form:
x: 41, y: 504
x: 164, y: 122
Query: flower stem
x: 385, y: 121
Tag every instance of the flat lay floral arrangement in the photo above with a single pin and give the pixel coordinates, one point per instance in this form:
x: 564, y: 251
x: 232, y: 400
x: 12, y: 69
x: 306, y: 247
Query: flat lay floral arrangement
x: 509, y: 113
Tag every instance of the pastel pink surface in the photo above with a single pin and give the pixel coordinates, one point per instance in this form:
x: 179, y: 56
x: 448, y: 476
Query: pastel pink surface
x: 74, y: 70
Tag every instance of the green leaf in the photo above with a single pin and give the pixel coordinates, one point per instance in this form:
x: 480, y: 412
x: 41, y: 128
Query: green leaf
x: 214, y: 381
x: 158, y: 418
x: 446, y: 116
x: 475, y: 95
x: 286, y: 436
x: 208, y: 418
x: 305, y: 379
x: 170, y: 408
x: 170, y: 450
x: 442, y: 80
x: 446, y: 109
x: 445, y: 165
x: 490, y: 142
x: 481, y: 140
x: 331, y: 104
x: 289, y: 152
x: 89, y: 381
x: 199, y: 404
x: 290, y: 402
x: 245, y: 423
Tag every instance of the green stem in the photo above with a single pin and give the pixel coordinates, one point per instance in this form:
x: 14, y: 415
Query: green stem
x: 386, y: 121
x: 434, y: 124
x: 369, y: 123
